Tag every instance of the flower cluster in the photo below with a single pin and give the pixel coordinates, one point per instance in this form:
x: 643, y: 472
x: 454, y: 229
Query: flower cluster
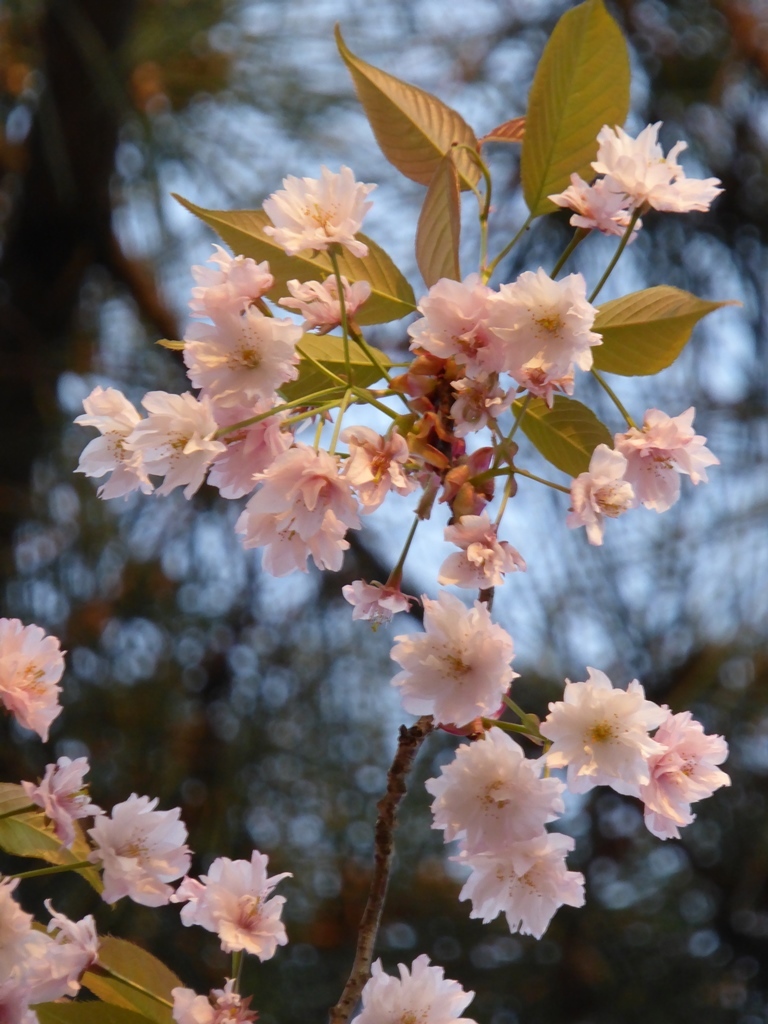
x: 636, y: 176
x: 602, y: 735
x: 481, y: 359
x: 40, y: 966
x: 495, y: 801
x: 643, y: 468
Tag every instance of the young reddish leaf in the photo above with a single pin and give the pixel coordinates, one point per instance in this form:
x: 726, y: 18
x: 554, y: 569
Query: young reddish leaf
x: 581, y: 83
x: 439, y: 227
x: 413, y: 128
x: 566, y: 435
x: 328, y: 349
x: 391, y: 296
x: 646, y: 331
x: 510, y: 131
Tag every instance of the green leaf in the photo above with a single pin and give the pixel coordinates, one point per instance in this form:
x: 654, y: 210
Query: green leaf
x: 31, y: 835
x: 130, y: 977
x: 439, y: 227
x: 566, y: 435
x: 581, y: 83
x: 413, y: 128
x: 328, y: 349
x: 87, y: 1013
x: 12, y: 798
x: 646, y: 331
x: 243, y: 231
x: 176, y: 346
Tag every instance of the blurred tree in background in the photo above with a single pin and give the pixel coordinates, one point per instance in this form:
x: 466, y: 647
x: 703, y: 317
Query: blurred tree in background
x: 247, y: 700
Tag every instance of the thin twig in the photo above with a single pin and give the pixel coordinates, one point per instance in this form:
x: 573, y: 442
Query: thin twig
x: 408, y: 745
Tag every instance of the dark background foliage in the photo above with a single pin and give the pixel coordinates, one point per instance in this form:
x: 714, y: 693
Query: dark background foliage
x: 252, y: 704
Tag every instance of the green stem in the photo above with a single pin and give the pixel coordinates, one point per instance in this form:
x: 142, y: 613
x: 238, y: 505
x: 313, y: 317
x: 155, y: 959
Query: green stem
x: 237, y: 969
x: 522, y: 730
x: 318, y: 432
x: 579, y: 236
x: 529, y: 721
x: 397, y: 573
x: 20, y: 810
x: 621, y: 247
x: 614, y: 398
x: 484, y: 201
x: 500, y: 452
x: 316, y: 411
x: 306, y: 400
x: 337, y: 424
x: 374, y: 359
x: 54, y: 869
x: 366, y: 396
x: 321, y: 368
x: 343, y: 307
x: 540, y: 480
x: 504, y: 499
x: 488, y: 271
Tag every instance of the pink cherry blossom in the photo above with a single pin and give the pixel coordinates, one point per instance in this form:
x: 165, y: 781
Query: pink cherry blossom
x: 176, y: 440
x: 374, y: 602
x: 657, y: 455
x: 491, y: 795
x: 599, y: 206
x: 234, y: 901
x: 62, y: 795
x: 304, y: 507
x: 454, y: 325
x: 683, y: 772
x: 601, y: 734
x: 601, y: 491
x: 527, y: 882
x: 15, y: 929
x: 319, y: 302
x: 31, y: 665
x: 14, y: 1002
x: 422, y: 995
x: 458, y: 668
x: 639, y: 170
x: 249, y: 451
x: 114, y: 417
x: 241, y: 357
x: 544, y: 327
x: 140, y: 850
x: 478, y: 401
x: 375, y: 465
x: 220, y: 1006
x: 483, y: 560
x: 53, y: 966
x: 312, y: 213
x: 237, y: 283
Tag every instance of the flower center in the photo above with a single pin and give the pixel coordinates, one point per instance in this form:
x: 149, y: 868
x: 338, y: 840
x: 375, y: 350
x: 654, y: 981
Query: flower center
x: 248, y: 910
x: 600, y: 732
x: 551, y: 322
